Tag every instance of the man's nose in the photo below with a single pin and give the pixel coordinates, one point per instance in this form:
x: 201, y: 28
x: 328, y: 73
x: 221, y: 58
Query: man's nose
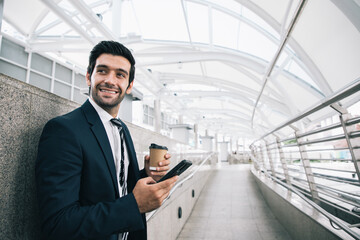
x: 111, y: 77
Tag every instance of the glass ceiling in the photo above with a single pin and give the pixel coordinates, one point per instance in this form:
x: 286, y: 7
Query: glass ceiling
x: 236, y: 67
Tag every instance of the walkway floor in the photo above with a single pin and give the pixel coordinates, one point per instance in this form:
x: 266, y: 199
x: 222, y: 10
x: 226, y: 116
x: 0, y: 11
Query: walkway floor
x: 231, y: 207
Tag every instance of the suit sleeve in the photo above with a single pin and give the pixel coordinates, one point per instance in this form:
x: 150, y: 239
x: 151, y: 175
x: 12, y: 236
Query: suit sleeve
x: 58, y: 178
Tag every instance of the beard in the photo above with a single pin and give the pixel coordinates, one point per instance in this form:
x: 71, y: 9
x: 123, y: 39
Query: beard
x: 104, y: 102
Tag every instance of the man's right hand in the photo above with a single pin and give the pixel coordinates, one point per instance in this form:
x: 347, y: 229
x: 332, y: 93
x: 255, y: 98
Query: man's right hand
x: 149, y: 195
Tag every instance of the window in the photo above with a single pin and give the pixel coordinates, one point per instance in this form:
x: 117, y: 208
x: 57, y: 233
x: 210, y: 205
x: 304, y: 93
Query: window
x: 148, y: 115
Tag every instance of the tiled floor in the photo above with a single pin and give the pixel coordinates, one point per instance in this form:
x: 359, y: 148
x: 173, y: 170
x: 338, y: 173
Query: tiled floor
x: 232, y: 207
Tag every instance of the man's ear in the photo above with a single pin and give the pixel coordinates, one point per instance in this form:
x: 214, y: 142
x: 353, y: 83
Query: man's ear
x: 129, y: 88
x: 88, y: 81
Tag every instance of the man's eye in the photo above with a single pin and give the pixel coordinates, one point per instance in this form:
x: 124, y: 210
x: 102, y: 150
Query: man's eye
x: 120, y: 75
x: 101, y: 71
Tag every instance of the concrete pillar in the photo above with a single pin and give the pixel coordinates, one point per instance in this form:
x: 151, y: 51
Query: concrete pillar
x: 243, y: 145
x: 216, y: 143
x: 207, y: 143
x: 196, y: 135
x: 181, y: 132
x: 237, y: 145
x: 181, y: 119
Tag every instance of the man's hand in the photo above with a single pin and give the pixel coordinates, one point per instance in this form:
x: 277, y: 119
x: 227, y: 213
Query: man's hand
x: 161, y: 170
x: 149, y: 195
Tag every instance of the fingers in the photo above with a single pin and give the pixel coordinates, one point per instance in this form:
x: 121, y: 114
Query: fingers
x: 148, y: 180
x: 165, y: 162
x: 166, y: 186
x: 168, y: 183
x: 149, y: 195
x: 164, y: 166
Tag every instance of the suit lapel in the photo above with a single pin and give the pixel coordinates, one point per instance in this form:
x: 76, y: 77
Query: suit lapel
x: 99, y: 132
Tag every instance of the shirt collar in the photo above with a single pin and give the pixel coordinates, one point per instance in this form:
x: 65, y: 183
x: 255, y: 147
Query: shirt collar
x: 104, y: 115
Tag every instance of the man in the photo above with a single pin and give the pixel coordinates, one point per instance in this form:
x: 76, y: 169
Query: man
x: 84, y: 158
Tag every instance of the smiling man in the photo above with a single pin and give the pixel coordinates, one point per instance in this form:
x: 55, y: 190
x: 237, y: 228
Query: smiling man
x: 88, y: 180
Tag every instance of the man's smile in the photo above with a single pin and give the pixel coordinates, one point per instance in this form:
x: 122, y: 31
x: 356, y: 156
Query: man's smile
x: 109, y: 90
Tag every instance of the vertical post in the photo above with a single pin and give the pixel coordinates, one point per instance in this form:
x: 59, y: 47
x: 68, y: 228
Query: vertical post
x: 53, y: 77
x: 254, y: 153
x: 28, y: 67
x: 116, y: 17
x: 283, y: 161
x: 216, y: 143
x: 237, y: 145
x: 72, y: 91
x: 217, y: 147
x: 196, y: 135
x: 261, y: 157
x: 270, y: 158
x: 355, y: 153
x: 157, y: 117
x: 307, y: 168
x: 1, y: 18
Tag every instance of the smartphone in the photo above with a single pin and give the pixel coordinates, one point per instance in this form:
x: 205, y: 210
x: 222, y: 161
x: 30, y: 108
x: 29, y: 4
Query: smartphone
x: 177, y: 170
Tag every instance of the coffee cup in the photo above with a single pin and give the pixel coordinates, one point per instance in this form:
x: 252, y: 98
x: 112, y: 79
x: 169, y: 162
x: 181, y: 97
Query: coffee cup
x: 157, y: 154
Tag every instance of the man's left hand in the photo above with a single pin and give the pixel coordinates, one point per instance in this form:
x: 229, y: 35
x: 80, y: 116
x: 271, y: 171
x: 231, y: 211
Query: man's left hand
x: 161, y: 169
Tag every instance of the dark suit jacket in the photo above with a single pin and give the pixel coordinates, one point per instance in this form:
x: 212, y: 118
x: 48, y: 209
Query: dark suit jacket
x: 76, y: 181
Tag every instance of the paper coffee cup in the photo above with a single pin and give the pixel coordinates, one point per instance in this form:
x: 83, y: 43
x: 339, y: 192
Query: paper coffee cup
x: 157, y: 154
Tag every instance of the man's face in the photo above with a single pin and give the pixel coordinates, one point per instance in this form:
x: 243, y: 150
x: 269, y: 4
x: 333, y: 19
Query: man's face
x: 109, y: 82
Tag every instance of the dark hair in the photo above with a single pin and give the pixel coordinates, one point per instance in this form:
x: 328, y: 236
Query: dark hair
x: 113, y: 48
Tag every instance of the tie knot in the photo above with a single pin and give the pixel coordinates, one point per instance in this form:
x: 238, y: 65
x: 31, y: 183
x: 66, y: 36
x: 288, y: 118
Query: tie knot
x: 117, y: 122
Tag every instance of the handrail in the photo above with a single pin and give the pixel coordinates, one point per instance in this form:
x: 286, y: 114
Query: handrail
x: 317, y: 207
x: 179, y: 184
x: 319, y: 130
x: 335, y: 97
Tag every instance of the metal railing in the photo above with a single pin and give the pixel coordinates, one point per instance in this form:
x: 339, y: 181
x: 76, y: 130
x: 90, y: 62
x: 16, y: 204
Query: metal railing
x: 319, y: 161
x: 331, y: 218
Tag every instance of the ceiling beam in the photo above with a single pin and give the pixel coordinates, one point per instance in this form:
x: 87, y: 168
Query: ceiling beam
x: 279, y: 51
x: 164, y: 58
x: 311, y: 68
x: 84, y: 9
x: 233, y: 86
x: 233, y: 113
x: 67, y: 19
x: 234, y: 90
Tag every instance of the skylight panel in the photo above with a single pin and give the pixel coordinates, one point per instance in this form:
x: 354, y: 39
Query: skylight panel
x: 298, y: 71
x: 225, y: 29
x: 198, y: 19
x: 259, y: 21
x: 157, y: 24
x: 255, y: 43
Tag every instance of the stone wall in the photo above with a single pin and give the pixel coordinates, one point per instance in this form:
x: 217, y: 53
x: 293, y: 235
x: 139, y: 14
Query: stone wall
x: 24, y: 111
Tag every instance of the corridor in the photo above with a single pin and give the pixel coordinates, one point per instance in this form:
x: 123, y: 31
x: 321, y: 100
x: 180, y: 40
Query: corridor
x: 231, y: 207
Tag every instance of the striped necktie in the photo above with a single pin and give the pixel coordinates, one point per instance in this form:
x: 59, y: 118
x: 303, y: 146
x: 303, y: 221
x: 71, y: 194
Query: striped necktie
x: 117, y: 122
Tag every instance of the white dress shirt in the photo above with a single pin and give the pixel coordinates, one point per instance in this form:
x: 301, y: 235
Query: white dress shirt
x: 114, y: 139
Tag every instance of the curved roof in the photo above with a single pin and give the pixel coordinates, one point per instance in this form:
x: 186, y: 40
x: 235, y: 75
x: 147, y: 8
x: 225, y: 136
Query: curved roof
x: 236, y: 67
